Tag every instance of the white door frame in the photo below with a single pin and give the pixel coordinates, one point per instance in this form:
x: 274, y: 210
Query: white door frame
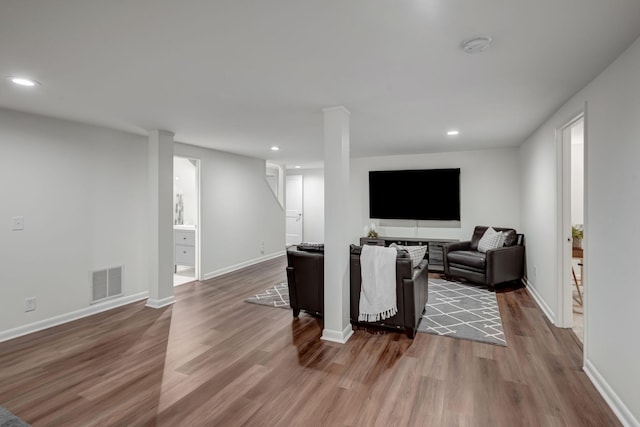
x: 564, y: 309
x: 198, y: 268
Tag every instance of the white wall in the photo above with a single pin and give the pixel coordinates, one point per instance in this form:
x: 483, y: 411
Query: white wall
x: 241, y: 220
x: 612, y: 228
x: 186, y: 185
x: 489, y: 192
x: 83, y: 193
x: 313, y: 203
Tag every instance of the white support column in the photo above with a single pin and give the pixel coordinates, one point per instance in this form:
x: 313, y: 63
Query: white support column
x: 337, y: 327
x: 160, y: 219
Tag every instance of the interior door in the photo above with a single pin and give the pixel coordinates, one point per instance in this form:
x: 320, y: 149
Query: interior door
x: 294, y: 210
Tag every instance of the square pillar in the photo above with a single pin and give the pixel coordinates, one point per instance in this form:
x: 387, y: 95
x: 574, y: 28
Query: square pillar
x: 161, y: 246
x: 337, y: 327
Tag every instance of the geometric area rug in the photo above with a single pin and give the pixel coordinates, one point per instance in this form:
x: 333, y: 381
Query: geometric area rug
x: 7, y: 419
x: 454, y: 309
x: 462, y: 311
x: 275, y: 296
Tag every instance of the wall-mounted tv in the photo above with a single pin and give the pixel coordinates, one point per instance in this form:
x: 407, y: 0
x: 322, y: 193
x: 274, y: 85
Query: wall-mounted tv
x: 426, y: 194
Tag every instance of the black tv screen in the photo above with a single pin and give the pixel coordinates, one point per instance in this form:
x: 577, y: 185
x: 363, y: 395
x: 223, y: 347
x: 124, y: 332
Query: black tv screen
x: 427, y: 194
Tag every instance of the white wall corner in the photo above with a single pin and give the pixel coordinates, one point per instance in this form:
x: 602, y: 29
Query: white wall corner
x: 340, y: 337
x: 617, y: 405
x: 539, y: 300
x: 160, y: 303
x: 71, y: 316
x: 340, y: 108
x: 162, y: 132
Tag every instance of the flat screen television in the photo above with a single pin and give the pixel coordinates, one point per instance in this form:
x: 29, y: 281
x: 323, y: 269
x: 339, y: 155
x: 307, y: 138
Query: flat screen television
x: 426, y: 194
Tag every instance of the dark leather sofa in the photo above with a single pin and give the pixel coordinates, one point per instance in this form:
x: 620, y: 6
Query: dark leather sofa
x: 305, y: 277
x: 504, y: 264
x: 411, y: 290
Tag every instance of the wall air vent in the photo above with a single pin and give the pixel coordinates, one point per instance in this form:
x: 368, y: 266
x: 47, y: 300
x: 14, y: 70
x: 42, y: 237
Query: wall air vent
x: 106, y: 284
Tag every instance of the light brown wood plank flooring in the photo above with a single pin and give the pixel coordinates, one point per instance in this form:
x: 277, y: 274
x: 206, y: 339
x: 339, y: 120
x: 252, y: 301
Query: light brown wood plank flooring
x: 213, y: 360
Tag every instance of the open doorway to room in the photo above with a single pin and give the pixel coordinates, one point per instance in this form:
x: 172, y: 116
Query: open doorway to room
x: 186, y: 217
x: 577, y: 226
x: 308, y: 186
x: 571, y: 168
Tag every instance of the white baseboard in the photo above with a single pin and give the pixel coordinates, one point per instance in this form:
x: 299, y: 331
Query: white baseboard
x: 340, y: 337
x: 69, y: 317
x: 159, y: 303
x: 539, y: 300
x: 617, y: 406
x: 243, y: 264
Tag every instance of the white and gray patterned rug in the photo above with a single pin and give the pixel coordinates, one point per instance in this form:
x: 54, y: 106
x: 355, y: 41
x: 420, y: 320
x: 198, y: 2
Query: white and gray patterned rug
x: 7, y: 419
x: 462, y: 311
x: 275, y: 296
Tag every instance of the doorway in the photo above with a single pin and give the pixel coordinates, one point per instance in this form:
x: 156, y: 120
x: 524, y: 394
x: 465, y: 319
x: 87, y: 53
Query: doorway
x: 186, y: 220
x: 293, y: 203
x: 572, y: 223
x: 577, y: 227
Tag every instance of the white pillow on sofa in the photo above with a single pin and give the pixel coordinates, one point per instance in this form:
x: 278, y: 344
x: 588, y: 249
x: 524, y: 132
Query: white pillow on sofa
x: 415, y: 252
x: 491, y: 239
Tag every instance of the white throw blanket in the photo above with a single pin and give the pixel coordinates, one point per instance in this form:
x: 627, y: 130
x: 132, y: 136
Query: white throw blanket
x: 378, y: 291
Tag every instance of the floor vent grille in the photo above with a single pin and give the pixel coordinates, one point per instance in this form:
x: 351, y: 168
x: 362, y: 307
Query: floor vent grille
x: 106, y: 283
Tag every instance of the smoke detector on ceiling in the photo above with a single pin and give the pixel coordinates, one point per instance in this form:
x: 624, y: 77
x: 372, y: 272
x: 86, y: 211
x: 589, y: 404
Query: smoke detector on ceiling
x: 477, y: 44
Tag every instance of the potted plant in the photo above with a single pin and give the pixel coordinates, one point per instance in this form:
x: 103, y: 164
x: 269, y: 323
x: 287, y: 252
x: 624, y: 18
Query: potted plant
x: 577, y: 234
x: 373, y: 233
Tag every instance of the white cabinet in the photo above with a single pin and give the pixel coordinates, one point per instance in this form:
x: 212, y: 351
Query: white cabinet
x: 185, y: 247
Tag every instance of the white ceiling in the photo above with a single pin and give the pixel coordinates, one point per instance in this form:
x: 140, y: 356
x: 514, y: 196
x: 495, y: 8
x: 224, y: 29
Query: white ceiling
x: 242, y: 75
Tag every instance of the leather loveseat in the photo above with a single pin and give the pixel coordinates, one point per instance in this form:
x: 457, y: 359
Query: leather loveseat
x: 503, y: 264
x: 411, y: 290
x: 305, y: 277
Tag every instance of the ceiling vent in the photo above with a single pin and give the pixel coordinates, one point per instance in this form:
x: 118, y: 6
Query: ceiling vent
x: 477, y: 44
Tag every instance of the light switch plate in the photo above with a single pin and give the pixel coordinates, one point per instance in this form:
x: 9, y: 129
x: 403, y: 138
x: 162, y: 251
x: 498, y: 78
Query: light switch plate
x: 17, y: 223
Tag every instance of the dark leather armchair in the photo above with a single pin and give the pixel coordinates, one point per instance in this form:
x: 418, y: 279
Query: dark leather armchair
x: 411, y: 290
x: 504, y: 264
x: 305, y: 277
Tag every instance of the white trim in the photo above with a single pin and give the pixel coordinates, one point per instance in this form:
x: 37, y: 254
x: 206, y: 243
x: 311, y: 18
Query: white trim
x: 585, y: 238
x: 71, y: 316
x: 617, y: 405
x: 160, y: 303
x: 539, y: 300
x: 243, y: 264
x: 341, y: 337
x: 563, y: 221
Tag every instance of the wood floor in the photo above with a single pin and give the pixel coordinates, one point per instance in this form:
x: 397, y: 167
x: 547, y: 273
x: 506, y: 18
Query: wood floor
x: 213, y: 360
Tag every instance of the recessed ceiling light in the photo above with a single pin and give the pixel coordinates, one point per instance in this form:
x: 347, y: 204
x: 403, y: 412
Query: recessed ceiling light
x: 477, y: 44
x: 24, y: 81
x: 275, y: 148
x: 297, y: 166
x: 453, y: 132
x: 177, y: 178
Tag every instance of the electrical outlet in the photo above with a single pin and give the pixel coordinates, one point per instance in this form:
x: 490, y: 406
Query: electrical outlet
x: 30, y: 304
x: 17, y: 223
x: 535, y: 271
